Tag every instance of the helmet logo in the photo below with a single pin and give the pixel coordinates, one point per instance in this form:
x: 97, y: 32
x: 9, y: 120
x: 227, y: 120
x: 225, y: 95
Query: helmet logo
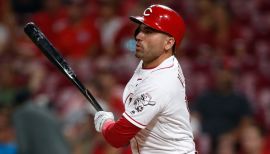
x: 147, y: 12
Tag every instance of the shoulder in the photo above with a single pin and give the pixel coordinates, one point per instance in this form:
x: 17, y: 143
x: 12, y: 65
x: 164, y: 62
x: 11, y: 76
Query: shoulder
x: 165, y: 78
x: 161, y: 83
x: 168, y: 77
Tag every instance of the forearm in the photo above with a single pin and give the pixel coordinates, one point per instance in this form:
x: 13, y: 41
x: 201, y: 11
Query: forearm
x: 119, y: 133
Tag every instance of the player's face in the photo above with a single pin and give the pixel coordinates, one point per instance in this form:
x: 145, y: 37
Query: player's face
x: 151, y: 44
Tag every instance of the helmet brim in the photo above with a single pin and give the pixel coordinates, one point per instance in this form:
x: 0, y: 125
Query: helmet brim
x: 140, y: 20
x: 137, y: 19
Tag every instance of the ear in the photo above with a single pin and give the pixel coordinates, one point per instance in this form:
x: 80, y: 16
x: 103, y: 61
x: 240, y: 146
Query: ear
x: 169, y: 42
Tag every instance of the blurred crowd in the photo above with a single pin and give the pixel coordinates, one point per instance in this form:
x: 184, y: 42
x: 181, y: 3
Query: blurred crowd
x: 225, y: 57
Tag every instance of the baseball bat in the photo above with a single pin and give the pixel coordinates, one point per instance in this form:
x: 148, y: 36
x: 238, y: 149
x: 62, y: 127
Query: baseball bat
x: 47, y: 48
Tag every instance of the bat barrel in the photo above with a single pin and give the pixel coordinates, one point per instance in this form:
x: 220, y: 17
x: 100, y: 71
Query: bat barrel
x: 54, y: 56
x: 32, y: 31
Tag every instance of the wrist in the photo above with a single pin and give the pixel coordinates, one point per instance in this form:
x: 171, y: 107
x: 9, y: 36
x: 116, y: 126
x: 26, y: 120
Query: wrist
x: 106, y: 124
x: 100, y: 118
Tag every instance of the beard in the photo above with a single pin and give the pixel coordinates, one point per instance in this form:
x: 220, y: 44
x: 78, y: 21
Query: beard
x: 139, y: 54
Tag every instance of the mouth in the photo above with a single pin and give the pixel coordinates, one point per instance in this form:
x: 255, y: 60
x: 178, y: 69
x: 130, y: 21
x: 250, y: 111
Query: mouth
x: 138, y: 47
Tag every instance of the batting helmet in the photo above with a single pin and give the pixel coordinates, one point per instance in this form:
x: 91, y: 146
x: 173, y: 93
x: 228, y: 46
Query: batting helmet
x: 164, y: 19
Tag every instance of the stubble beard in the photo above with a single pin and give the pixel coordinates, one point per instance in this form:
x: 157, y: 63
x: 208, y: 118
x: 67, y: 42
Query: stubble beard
x: 139, y: 54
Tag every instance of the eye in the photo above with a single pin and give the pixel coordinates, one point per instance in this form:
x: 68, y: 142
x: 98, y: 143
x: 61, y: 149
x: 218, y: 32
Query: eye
x: 145, y: 30
x: 148, y: 30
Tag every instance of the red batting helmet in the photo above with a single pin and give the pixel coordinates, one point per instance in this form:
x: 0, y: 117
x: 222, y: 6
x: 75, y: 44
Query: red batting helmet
x: 164, y: 19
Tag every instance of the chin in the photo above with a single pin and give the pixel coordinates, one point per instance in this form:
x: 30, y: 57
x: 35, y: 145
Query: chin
x: 139, y: 54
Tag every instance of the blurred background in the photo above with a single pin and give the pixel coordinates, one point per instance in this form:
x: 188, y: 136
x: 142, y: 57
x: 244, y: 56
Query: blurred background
x: 225, y: 57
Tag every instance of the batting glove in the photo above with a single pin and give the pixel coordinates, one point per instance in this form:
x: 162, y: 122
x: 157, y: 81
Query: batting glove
x: 100, y: 118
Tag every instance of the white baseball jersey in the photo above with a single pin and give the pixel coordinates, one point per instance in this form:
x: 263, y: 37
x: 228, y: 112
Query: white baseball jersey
x: 155, y: 101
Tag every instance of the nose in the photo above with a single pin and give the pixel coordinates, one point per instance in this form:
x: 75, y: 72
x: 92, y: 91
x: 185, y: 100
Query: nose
x: 139, y: 36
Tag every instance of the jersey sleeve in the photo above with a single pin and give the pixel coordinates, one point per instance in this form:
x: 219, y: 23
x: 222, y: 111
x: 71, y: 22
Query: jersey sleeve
x: 144, y: 105
x: 119, y: 133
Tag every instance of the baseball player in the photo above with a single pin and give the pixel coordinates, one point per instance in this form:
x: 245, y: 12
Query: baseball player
x: 156, y: 118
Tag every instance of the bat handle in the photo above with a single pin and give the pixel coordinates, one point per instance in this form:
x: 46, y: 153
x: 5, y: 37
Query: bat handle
x: 87, y: 94
x: 93, y: 101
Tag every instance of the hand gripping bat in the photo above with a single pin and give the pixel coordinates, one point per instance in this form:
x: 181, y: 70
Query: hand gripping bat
x: 40, y: 40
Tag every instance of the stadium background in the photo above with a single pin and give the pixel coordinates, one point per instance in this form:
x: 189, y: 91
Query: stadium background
x: 96, y: 37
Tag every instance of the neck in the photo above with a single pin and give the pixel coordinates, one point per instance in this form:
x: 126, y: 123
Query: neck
x: 156, y: 62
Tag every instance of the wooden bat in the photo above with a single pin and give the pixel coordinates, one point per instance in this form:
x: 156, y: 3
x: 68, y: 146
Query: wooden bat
x: 47, y: 48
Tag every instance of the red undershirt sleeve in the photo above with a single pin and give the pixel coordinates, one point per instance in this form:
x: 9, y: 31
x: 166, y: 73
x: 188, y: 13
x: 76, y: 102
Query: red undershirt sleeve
x: 119, y: 133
